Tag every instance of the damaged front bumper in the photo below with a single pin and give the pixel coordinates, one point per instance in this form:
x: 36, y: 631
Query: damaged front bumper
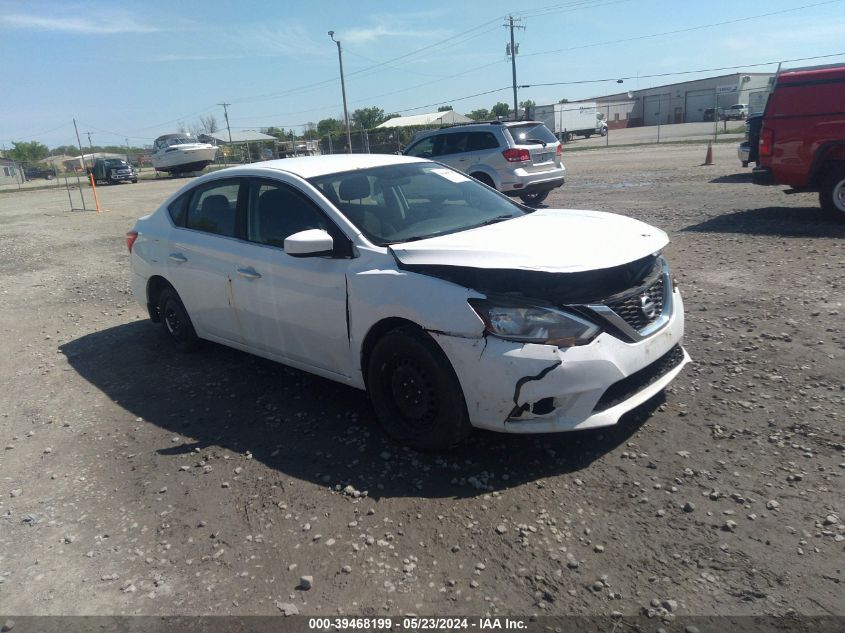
x: 533, y: 388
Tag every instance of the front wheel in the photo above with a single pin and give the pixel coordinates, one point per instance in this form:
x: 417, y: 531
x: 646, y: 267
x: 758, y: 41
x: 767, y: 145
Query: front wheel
x: 176, y: 322
x: 415, y: 392
x: 832, y: 192
x: 604, y: 131
x: 534, y: 198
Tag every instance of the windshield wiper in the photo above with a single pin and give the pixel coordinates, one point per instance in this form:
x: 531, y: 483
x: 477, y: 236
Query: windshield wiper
x: 498, y: 218
x: 537, y: 140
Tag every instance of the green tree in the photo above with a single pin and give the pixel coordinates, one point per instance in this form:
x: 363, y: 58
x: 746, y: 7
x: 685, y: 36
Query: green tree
x: 528, y: 103
x: 30, y: 152
x: 445, y: 108
x: 368, y: 117
x: 274, y: 131
x: 392, y: 115
x: 481, y: 114
x: 500, y: 109
x: 564, y: 101
x: 328, y: 126
x: 65, y: 150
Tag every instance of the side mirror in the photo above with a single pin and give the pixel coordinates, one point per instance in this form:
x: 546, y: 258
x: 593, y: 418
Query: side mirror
x: 310, y: 243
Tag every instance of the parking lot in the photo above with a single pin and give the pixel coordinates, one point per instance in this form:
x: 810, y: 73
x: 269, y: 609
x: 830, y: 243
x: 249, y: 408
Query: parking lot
x: 136, y: 480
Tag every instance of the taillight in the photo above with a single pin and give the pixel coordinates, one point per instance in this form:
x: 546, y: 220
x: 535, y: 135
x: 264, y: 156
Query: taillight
x: 559, y: 149
x: 767, y: 139
x: 514, y: 155
x: 131, y: 236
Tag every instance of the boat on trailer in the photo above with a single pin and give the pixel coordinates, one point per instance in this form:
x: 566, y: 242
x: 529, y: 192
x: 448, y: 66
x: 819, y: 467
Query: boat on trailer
x: 181, y: 153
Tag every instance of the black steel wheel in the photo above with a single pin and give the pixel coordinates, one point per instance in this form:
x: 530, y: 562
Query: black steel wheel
x: 176, y: 322
x: 415, y: 392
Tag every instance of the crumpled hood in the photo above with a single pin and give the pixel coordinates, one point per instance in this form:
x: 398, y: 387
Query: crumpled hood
x: 548, y: 240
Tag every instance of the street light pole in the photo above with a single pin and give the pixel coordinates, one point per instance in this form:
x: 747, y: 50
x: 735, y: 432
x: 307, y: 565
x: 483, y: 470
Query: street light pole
x: 343, y: 90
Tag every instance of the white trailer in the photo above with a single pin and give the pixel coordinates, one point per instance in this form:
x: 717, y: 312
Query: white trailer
x: 568, y: 120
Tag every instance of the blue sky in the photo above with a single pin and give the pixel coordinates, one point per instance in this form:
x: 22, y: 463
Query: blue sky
x: 140, y: 69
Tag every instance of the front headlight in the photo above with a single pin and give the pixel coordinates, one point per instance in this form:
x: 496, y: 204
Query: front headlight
x: 534, y: 323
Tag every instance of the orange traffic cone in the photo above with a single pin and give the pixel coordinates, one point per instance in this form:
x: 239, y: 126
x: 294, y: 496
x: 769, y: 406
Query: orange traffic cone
x: 708, y: 158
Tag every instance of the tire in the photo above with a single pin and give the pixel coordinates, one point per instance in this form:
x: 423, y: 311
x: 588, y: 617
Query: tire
x: 588, y: 135
x: 832, y: 192
x: 134, y: 181
x: 534, y: 198
x: 745, y: 163
x: 484, y: 178
x: 415, y: 392
x: 604, y: 131
x: 176, y: 322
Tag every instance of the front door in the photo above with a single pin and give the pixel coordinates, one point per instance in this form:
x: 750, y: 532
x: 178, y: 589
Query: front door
x: 290, y: 307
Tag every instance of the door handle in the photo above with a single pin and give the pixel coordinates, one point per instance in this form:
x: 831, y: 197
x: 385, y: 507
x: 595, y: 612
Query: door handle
x: 178, y: 257
x: 249, y: 273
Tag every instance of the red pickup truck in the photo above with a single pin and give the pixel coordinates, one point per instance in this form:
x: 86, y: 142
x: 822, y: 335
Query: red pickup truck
x: 802, y: 141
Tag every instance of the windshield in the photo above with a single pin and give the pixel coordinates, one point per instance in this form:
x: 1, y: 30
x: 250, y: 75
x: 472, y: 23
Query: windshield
x: 401, y: 203
x: 114, y: 162
x: 531, y: 133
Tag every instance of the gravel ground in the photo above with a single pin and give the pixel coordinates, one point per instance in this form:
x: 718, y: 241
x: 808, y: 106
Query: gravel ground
x: 135, y: 480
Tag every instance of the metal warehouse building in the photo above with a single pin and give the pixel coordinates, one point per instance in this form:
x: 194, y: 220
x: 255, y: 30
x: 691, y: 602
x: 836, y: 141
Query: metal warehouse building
x: 684, y: 102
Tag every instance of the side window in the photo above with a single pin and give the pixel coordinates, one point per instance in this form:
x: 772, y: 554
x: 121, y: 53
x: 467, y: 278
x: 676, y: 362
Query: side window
x: 279, y: 211
x: 423, y: 149
x: 213, y: 208
x: 455, y: 143
x: 178, y: 209
x: 482, y: 140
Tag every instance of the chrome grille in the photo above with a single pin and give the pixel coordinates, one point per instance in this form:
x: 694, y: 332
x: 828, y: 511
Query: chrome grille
x: 630, y: 308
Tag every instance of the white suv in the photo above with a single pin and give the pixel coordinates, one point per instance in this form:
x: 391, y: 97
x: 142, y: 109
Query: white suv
x: 736, y: 111
x: 518, y: 158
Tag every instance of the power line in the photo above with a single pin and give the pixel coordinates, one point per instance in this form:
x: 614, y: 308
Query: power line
x: 588, y: 81
x: 683, y: 72
x: 360, y: 72
x: 684, y: 30
x: 23, y: 137
x: 566, y: 7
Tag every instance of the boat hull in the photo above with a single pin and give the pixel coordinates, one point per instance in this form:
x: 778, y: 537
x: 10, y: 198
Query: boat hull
x: 184, y: 158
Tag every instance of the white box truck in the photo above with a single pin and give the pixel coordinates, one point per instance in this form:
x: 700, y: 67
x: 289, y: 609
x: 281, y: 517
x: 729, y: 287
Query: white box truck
x: 568, y: 120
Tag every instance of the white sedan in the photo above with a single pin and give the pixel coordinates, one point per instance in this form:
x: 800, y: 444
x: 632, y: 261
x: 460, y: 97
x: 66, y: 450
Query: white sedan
x: 451, y: 304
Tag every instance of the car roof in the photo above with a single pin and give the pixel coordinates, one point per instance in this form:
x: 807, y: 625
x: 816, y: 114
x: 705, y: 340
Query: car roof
x: 312, y: 166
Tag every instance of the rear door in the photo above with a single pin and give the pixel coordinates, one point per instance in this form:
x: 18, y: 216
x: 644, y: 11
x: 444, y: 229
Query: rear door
x: 201, y: 255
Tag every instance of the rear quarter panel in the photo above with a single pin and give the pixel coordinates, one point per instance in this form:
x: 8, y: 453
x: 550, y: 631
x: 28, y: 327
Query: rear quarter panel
x: 806, y: 114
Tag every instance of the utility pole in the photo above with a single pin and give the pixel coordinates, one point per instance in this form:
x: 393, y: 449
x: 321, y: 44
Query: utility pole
x: 343, y: 91
x: 228, y: 129
x: 82, y: 158
x: 91, y: 147
x: 512, y: 49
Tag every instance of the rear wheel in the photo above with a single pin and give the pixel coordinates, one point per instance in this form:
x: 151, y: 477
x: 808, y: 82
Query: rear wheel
x: 415, y: 392
x: 176, y: 322
x: 534, y: 198
x: 832, y: 192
